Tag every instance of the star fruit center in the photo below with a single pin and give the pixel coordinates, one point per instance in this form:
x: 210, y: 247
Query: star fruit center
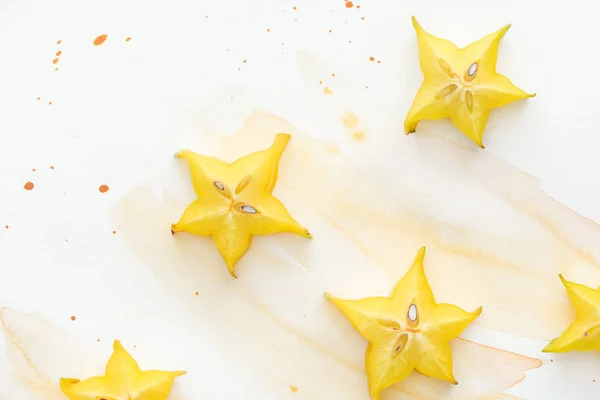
x: 233, y: 197
x: 459, y: 84
x: 404, y: 328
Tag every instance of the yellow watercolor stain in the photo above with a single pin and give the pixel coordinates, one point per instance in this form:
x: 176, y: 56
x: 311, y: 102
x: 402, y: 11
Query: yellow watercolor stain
x: 293, y: 389
x: 366, y: 226
x: 350, y: 120
x: 359, y: 136
x: 327, y: 90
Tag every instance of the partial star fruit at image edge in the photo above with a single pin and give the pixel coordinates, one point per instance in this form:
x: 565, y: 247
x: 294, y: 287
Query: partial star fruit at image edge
x: 235, y: 201
x: 407, y: 331
x: 583, y: 334
x: 460, y: 84
x: 123, y: 380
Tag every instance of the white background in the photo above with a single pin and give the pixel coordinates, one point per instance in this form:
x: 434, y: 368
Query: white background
x: 119, y: 111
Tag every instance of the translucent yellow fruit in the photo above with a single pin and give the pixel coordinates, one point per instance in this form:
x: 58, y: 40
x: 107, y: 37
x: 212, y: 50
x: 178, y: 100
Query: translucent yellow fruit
x: 123, y: 381
x: 460, y: 84
x: 406, y: 331
x: 235, y: 201
x: 583, y: 334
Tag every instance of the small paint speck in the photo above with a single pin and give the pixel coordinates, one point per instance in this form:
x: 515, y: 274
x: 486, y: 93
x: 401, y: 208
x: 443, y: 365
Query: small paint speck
x: 333, y: 75
x: 49, y: 103
x: 114, y: 232
x: 128, y: 39
x: 55, y: 61
x: 327, y: 91
x: 103, y: 188
x: 100, y: 39
x: 357, y: 6
x: 293, y: 389
x: 294, y: 8
x: 58, y: 53
x: 39, y: 98
x: 73, y: 318
x: 55, y: 69
x: 5, y: 226
x: 372, y: 58
x: 378, y: 61
x: 98, y: 340
x: 28, y: 186
x: 349, y: 4
x: 33, y: 169
x: 330, y: 31
x: 196, y: 293
x: 59, y: 42
x: 362, y: 18
x: 52, y: 167
x: 268, y: 30
x: 245, y: 61
x: 366, y: 87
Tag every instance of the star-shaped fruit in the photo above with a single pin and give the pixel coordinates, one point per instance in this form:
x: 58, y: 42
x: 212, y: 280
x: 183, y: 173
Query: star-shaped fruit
x: 235, y: 201
x: 123, y: 380
x: 406, y: 331
x: 583, y: 334
x: 460, y: 84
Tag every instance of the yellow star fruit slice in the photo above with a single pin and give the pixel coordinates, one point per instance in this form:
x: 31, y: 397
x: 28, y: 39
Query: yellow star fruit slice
x: 235, y: 201
x: 460, y: 84
x: 583, y: 334
x: 123, y: 380
x: 407, y: 331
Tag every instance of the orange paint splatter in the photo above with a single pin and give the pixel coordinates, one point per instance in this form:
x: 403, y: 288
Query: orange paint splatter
x: 5, y: 226
x: 349, y: 4
x: 196, y: 293
x: 327, y: 91
x: 128, y: 39
x: 245, y: 61
x: 98, y: 340
x: 55, y: 69
x: 378, y: 61
x: 357, y: 6
x: 293, y: 389
x: 362, y: 18
x: 330, y: 31
x: 100, y: 39
x: 268, y: 30
x: 59, y: 42
x: 58, y: 53
x: 73, y: 318
x: 372, y: 58
x: 320, y: 82
x: 55, y: 61
x: 294, y: 8
x: 103, y: 188
x: 33, y: 169
x: 39, y: 98
x: 49, y: 103
x: 333, y: 75
x: 28, y: 186
x: 52, y: 167
x: 114, y: 232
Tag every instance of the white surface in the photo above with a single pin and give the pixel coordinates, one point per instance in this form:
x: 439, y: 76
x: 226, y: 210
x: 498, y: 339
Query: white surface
x: 119, y: 111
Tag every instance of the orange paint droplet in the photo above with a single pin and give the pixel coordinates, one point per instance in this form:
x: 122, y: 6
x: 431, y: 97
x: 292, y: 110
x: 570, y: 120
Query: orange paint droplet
x: 103, y: 188
x: 33, y: 169
x: 55, y: 61
x: 268, y: 30
x: 244, y: 61
x: 100, y: 39
x: 293, y: 389
x: 294, y: 7
x: 6, y: 227
x: 52, y: 167
x: 59, y: 42
x: 73, y: 318
x: 378, y: 61
x: 114, y: 232
x: 98, y: 340
x: 362, y: 18
x: 349, y: 4
x: 128, y: 39
x: 28, y: 186
x: 196, y: 293
x: 39, y: 98
x: 366, y: 87
x: 49, y: 103
x: 330, y: 31
x: 55, y: 69
x: 372, y: 58
x: 357, y: 6
x: 58, y: 53
x: 332, y: 74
